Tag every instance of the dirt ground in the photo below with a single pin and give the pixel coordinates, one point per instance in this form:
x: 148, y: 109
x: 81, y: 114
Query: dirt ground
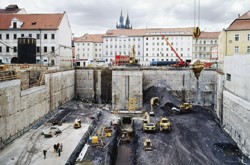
x: 195, y: 137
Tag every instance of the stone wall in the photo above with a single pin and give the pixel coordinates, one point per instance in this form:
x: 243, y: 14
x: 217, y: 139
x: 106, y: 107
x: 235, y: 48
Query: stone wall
x: 126, y: 89
x: 184, y: 84
x: 235, y: 110
x: 20, y: 109
x: 236, y: 120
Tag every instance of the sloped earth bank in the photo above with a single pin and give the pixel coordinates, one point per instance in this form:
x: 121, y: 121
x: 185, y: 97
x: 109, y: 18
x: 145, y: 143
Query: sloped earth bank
x: 195, y: 137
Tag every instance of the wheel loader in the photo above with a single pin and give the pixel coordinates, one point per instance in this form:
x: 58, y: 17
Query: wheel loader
x: 164, y: 124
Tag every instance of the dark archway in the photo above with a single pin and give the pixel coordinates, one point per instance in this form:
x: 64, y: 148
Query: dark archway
x: 14, y: 60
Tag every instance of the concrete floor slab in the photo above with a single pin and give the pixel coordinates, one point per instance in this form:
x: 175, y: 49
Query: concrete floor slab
x: 28, y: 149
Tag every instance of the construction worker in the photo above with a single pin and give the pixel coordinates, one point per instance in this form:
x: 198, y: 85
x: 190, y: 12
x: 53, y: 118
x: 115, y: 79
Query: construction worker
x: 44, y: 153
x: 61, y: 147
x: 59, y: 151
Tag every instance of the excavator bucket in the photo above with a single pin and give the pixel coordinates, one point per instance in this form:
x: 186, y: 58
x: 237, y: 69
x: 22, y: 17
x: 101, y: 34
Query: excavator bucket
x: 197, y: 67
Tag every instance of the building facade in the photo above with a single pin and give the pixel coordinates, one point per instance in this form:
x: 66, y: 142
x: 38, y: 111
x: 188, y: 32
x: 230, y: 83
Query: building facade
x: 52, y: 33
x: 206, y: 47
x: 235, y: 40
x: 88, y: 48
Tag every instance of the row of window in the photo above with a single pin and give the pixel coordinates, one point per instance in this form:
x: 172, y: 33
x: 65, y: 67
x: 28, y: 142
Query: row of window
x: 45, y: 49
x: 203, y: 56
x: 206, y: 42
x: 120, y: 46
x: 14, y: 36
x: 237, y: 37
x: 120, y: 53
x: 167, y: 49
x: 237, y: 49
x: 125, y: 39
x: 162, y: 54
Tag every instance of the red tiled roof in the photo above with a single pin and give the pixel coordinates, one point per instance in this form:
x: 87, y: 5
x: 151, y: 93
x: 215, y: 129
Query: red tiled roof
x: 208, y: 35
x: 32, y: 21
x: 241, y: 23
x: 89, y: 38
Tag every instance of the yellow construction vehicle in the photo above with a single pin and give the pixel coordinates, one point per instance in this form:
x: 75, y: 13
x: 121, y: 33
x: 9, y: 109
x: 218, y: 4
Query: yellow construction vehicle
x: 146, y: 125
x: 147, y: 145
x: 164, y: 124
x: 185, y: 107
x: 153, y: 102
x: 77, y: 123
x: 132, y: 59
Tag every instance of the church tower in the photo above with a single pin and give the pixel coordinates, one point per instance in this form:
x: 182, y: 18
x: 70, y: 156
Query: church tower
x: 121, y: 24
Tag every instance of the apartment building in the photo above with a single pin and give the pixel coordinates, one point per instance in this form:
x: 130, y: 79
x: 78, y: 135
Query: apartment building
x: 157, y: 49
x: 235, y: 40
x: 88, y: 47
x: 205, y: 48
x: 52, y: 33
x: 149, y: 44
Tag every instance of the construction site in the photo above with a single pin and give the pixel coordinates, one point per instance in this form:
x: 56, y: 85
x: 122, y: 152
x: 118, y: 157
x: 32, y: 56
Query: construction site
x: 113, y: 115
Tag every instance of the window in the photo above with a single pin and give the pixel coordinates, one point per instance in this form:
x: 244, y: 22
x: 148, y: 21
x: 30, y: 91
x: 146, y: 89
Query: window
x: 14, y: 49
x: 248, y: 49
x: 45, y: 36
x: 248, y: 37
x: 22, y: 35
x: 52, y: 49
x: 30, y: 35
x: 228, y: 77
x: 14, y: 36
x: 0, y: 36
x: 147, y: 38
x: 0, y: 48
x: 45, y: 49
x: 7, y: 49
x: 7, y: 36
x: 37, y: 36
x: 236, y: 37
x: 38, y: 49
x: 52, y: 36
x: 236, y: 49
x: 14, y: 25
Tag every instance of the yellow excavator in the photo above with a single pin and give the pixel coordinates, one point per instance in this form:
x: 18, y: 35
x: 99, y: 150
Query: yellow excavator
x: 132, y: 59
x: 153, y: 102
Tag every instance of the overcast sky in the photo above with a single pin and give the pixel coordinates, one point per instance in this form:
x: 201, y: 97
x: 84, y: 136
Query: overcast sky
x: 97, y: 16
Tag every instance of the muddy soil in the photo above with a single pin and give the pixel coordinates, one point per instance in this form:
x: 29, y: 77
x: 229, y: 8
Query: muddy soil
x: 195, y: 137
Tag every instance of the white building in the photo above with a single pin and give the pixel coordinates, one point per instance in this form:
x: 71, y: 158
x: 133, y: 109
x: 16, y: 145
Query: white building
x: 157, y: 49
x: 206, y: 47
x: 88, y: 48
x: 52, y: 33
x: 149, y: 43
x: 121, y: 41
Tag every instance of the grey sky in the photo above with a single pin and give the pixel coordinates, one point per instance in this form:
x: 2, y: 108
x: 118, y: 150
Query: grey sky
x: 97, y: 16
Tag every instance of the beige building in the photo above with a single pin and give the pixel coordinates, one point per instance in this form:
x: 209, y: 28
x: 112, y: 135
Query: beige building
x: 236, y: 38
